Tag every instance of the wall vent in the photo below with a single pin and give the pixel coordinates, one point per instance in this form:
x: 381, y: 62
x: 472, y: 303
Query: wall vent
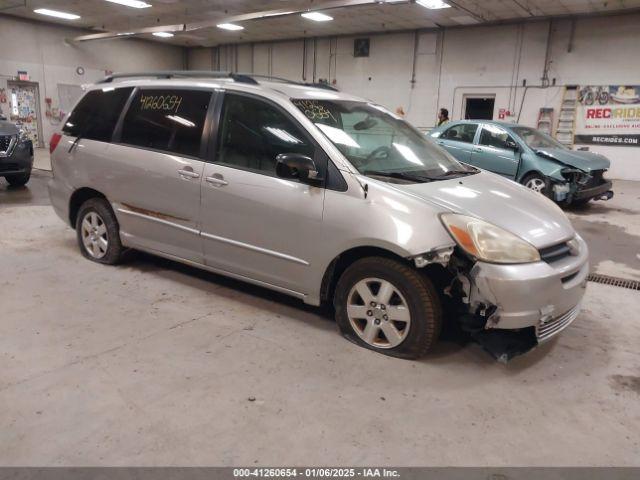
x: 614, y: 281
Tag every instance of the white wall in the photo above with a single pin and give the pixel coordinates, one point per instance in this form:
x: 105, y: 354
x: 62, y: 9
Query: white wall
x: 493, y: 60
x: 42, y: 51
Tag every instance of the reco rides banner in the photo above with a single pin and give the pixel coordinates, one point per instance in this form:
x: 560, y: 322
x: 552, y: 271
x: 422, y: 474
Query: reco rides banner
x: 608, y: 115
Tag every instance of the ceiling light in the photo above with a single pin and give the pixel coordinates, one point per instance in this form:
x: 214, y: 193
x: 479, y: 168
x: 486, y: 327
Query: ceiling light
x: 131, y: 3
x: 317, y: 16
x: 57, y: 14
x: 163, y: 34
x: 230, y: 26
x: 433, y: 4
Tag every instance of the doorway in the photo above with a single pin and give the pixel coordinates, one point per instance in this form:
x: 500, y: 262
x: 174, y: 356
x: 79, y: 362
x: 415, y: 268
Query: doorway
x: 24, y: 102
x: 479, y: 108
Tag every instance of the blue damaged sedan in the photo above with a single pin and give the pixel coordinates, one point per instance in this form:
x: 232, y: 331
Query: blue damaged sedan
x: 529, y: 157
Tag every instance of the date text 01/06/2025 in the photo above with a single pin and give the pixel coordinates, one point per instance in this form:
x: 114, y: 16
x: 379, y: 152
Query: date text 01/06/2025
x: 316, y: 472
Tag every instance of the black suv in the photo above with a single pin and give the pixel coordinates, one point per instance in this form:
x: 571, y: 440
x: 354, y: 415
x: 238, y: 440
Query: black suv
x: 16, y: 154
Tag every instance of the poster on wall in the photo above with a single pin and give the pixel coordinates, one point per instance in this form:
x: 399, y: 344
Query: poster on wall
x: 608, y: 115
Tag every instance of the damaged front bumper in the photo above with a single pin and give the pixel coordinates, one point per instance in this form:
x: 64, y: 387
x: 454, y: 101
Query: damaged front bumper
x: 537, y: 300
x: 581, y: 186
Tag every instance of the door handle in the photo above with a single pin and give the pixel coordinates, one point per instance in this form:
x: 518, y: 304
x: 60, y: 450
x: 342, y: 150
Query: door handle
x: 188, y: 173
x: 217, y: 181
x: 477, y: 150
x: 440, y: 142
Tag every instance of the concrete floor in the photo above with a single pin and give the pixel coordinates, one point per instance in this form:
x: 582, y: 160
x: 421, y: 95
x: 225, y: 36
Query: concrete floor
x: 154, y: 363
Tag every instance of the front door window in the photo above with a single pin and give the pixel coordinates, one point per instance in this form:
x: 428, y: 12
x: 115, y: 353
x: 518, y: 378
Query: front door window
x: 253, y: 133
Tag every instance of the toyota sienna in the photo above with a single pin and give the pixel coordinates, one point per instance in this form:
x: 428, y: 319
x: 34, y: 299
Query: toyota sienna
x: 317, y: 194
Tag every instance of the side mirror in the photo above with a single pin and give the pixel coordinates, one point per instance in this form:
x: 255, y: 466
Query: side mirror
x: 297, y: 166
x: 512, y: 145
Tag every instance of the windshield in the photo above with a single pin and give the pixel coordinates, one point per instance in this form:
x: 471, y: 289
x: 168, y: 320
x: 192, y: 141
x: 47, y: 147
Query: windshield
x: 376, y: 142
x: 535, y: 139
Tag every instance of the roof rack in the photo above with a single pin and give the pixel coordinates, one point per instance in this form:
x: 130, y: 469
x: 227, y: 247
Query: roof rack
x: 323, y: 85
x: 326, y: 86
x: 238, y: 77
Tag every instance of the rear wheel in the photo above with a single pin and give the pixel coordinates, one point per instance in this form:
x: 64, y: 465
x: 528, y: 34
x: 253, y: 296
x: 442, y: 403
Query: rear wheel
x: 98, y: 232
x: 19, y: 179
x: 387, y: 306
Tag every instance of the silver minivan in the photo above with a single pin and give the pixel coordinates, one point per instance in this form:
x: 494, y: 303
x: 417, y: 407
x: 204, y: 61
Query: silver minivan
x: 320, y: 195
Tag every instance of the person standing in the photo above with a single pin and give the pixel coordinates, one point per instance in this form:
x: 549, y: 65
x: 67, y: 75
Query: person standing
x: 443, y: 116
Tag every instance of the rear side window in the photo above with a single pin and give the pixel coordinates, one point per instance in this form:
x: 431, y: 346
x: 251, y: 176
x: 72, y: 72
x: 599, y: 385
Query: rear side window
x: 464, y: 132
x: 170, y: 120
x: 96, y: 115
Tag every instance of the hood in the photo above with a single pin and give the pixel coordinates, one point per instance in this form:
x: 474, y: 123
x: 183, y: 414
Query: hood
x: 501, y: 202
x: 586, y: 161
x: 8, y: 128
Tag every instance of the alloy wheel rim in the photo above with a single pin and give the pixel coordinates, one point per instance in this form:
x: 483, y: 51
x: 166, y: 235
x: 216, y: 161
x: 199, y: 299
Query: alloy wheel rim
x: 94, y: 235
x: 378, y: 313
x: 535, y: 184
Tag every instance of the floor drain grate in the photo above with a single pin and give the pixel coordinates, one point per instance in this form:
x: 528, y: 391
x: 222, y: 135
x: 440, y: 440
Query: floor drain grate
x: 614, y: 281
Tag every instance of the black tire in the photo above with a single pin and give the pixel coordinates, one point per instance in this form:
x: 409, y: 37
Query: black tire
x: 18, y: 179
x: 421, y: 298
x: 534, y: 176
x: 114, y: 249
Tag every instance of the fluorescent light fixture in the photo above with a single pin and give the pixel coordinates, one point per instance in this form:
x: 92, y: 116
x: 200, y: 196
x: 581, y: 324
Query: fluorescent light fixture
x: 131, y: 3
x: 124, y: 34
x: 317, y: 16
x: 57, y: 14
x: 230, y: 26
x: 163, y: 34
x: 433, y: 4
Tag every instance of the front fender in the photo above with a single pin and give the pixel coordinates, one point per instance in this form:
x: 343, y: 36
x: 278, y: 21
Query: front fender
x: 545, y: 166
x: 387, y: 219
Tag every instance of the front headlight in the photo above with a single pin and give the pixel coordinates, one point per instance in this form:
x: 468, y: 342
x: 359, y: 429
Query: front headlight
x: 487, y: 242
x: 22, y: 136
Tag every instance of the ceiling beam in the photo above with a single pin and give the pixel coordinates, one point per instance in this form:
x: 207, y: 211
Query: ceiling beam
x: 477, y: 16
x: 524, y: 7
x: 216, y: 20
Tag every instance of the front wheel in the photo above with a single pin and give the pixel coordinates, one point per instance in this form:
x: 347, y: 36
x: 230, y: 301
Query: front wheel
x: 535, y: 182
x: 388, y: 306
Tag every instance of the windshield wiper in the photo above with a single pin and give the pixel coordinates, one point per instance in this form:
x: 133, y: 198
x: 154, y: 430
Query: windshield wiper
x: 457, y: 172
x: 401, y: 175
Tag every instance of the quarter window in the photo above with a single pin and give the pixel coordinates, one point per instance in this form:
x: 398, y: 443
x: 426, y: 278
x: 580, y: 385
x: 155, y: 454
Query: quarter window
x: 463, y: 132
x: 170, y: 120
x: 494, y: 136
x: 253, y: 133
x: 96, y: 115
